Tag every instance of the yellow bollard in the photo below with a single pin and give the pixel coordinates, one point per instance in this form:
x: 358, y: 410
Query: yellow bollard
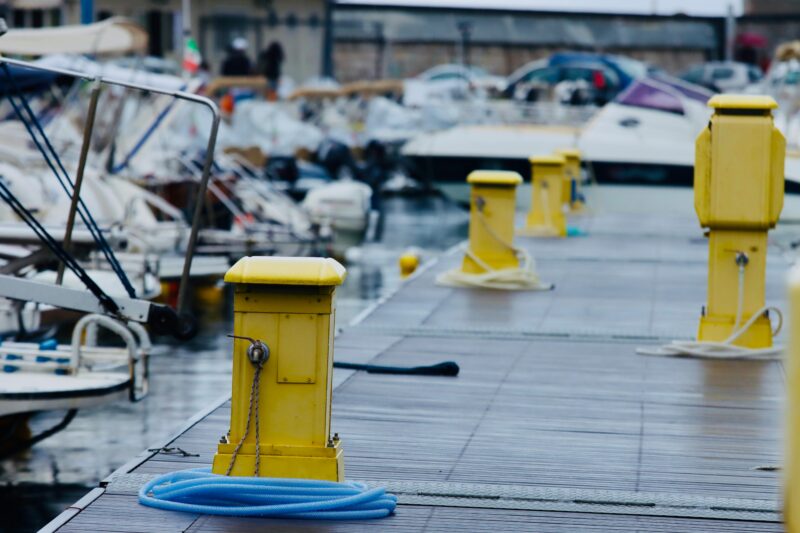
x: 408, y: 263
x: 571, y: 193
x: 546, y: 216
x: 491, y: 221
x: 208, y: 294
x: 738, y: 196
x: 288, y: 304
x: 791, y: 465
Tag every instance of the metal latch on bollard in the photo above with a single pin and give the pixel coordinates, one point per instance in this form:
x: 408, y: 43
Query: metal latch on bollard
x: 257, y: 352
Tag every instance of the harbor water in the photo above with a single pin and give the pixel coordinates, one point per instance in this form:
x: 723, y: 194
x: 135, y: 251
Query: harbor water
x: 37, y: 484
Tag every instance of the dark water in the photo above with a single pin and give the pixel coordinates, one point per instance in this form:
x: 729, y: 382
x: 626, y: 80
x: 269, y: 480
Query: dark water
x: 36, y: 485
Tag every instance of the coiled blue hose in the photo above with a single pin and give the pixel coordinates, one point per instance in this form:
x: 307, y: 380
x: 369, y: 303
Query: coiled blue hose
x: 199, y: 491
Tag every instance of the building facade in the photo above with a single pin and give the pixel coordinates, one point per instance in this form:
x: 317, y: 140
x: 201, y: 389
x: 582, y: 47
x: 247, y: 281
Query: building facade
x: 772, y: 7
x: 362, y: 41
x: 395, y: 41
x: 301, y: 26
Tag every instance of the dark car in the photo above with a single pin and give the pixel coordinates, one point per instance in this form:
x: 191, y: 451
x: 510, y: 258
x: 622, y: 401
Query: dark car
x: 598, y: 78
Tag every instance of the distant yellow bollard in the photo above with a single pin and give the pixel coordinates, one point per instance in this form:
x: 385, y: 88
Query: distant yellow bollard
x: 548, y: 180
x: 408, y: 264
x: 572, y: 190
x: 209, y: 294
x: 738, y: 196
x: 791, y: 462
x: 280, y: 420
x: 491, y: 261
x: 491, y: 221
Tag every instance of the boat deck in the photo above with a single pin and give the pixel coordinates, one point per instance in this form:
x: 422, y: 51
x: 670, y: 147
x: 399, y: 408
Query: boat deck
x: 554, y: 424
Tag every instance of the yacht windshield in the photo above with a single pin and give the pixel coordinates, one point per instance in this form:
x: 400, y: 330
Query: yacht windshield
x: 688, y: 90
x: 650, y: 94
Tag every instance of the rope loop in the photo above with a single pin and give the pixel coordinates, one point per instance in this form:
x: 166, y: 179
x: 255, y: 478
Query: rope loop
x: 726, y: 349
x: 523, y: 277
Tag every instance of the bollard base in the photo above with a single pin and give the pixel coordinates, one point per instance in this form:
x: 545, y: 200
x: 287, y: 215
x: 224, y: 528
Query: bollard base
x: 508, y: 260
x: 537, y: 225
x: 324, y: 463
x: 542, y: 231
x: 718, y: 328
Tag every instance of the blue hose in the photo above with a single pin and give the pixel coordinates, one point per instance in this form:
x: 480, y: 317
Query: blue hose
x: 199, y: 491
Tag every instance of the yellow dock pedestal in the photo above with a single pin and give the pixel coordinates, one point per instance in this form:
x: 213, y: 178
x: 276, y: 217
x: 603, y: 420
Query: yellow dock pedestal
x: 491, y: 221
x: 491, y: 261
x: 281, y: 404
x: 546, y: 216
x: 738, y: 196
x: 572, y: 190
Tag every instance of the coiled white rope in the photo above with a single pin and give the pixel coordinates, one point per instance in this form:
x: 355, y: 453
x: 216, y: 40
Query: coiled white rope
x: 725, y: 349
x: 523, y: 277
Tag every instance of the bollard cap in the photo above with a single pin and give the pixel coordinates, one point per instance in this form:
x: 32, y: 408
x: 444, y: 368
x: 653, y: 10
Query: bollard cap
x: 547, y: 160
x: 315, y: 271
x: 569, y: 153
x: 743, y: 101
x: 494, y: 177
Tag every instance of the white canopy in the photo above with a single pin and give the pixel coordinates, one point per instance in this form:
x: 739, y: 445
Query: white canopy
x: 112, y: 36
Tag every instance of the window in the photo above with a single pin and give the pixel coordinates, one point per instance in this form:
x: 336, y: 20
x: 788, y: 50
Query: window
x: 631, y: 67
x: 722, y: 73
x: 447, y: 75
x: 547, y: 75
x: 694, y: 75
x: 227, y: 28
x: 19, y: 18
x: 577, y: 73
x: 38, y: 18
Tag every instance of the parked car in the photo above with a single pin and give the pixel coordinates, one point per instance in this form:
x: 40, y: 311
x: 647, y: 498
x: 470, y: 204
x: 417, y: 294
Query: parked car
x: 464, y: 77
x: 600, y: 76
x: 723, y: 76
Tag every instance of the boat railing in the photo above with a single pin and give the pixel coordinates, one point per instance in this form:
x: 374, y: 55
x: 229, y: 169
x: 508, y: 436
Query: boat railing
x: 84, y: 352
x: 183, y: 295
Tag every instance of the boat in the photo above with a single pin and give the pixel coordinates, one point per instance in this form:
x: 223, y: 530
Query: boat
x: 641, y: 137
x: 344, y: 206
x: 46, y: 375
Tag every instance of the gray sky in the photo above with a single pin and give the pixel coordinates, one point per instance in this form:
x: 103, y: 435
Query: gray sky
x: 662, y: 7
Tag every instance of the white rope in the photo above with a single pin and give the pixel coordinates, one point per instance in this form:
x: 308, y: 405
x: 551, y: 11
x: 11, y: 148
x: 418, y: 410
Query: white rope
x: 725, y: 349
x: 740, y: 298
x: 523, y: 277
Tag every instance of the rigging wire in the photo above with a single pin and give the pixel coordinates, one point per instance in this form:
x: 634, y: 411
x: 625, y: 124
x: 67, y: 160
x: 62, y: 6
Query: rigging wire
x: 64, y: 180
x: 69, y: 261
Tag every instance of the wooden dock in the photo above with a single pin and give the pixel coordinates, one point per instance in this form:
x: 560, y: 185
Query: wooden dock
x: 554, y: 424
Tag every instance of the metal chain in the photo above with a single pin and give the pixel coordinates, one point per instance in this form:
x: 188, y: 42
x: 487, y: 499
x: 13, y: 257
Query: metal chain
x: 256, y: 386
x: 253, y: 400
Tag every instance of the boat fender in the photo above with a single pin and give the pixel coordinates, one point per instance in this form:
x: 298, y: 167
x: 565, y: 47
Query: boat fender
x: 48, y: 344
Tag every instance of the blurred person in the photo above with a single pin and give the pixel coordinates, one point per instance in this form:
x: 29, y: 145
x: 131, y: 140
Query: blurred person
x: 270, y: 61
x: 237, y: 63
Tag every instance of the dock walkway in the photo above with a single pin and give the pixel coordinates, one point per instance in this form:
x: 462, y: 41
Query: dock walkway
x: 554, y: 424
